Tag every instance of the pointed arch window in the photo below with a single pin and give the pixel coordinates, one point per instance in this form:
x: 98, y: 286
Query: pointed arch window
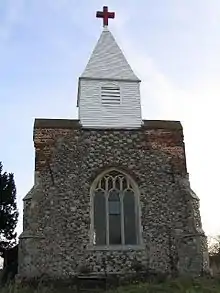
x: 115, y: 210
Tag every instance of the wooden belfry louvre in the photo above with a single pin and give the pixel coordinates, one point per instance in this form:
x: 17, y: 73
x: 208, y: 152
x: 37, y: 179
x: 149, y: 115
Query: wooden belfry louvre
x: 110, y: 95
x: 115, y: 210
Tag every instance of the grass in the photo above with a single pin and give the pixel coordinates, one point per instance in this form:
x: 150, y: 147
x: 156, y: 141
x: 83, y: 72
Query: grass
x: 169, y: 286
x: 174, y: 286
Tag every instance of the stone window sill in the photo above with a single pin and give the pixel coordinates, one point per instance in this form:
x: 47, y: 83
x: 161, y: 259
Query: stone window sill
x: 115, y: 247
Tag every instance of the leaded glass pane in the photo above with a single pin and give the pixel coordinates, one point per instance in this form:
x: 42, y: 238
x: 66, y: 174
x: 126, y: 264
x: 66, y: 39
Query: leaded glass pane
x: 117, y: 183
x: 99, y: 218
x: 125, y: 183
x: 114, y: 229
x: 129, y: 218
x: 114, y: 208
x: 114, y: 195
x: 114, y: 217
x: 103, y: 183
x: 110, y: 183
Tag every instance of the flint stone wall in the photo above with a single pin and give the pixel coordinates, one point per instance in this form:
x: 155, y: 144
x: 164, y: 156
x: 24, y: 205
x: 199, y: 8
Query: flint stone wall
x: 56, y: 237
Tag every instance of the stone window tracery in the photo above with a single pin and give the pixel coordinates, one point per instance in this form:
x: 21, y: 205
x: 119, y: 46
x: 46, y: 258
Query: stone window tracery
x: 115, y: 217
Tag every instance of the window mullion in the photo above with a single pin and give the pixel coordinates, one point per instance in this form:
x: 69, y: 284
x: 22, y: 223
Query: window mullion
x: 122, y: 219
x: 136, y: 221
x: 107, y: 217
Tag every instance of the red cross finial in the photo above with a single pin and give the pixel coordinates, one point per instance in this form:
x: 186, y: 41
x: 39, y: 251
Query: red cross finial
x: 105, y: 15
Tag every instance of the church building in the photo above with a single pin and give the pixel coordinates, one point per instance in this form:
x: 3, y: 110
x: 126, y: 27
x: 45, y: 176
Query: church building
x: 111, y: 191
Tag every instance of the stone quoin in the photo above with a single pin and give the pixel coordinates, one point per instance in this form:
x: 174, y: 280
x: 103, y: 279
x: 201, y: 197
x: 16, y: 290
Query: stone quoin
x: 111, y: 190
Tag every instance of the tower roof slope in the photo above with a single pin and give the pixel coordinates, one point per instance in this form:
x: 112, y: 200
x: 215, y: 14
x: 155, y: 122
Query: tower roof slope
x: 108, y: 61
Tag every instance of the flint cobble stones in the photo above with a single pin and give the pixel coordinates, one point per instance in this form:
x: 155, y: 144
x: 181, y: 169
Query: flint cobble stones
x: 57, y: 212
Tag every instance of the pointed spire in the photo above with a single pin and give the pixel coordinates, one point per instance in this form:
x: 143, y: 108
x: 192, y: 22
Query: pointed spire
x: 107, y: 61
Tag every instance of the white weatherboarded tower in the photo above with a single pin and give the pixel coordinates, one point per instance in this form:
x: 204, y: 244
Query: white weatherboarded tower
x: 109, y: 91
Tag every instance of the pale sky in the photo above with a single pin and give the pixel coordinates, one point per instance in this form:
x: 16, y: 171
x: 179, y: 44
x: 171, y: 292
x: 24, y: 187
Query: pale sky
x: 172, y: 45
